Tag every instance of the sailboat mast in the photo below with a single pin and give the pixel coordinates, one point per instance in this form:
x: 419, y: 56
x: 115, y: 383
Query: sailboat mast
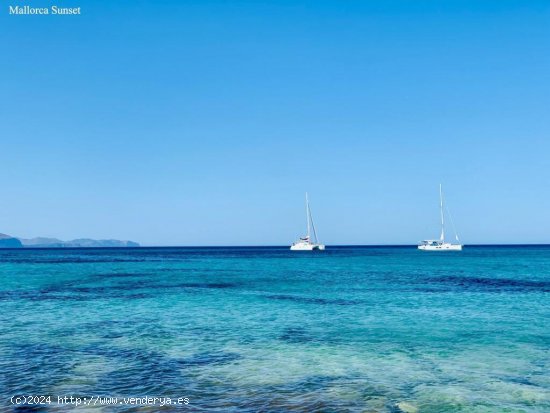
x: 307, y: 215
x: 312, y: 224
x: 442, y: 215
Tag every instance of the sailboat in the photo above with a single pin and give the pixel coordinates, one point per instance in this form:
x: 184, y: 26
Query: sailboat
x: 440, y: 244
x: 305, y: 243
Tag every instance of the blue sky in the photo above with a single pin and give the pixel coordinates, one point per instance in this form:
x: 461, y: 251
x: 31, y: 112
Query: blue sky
x: 203, y: 123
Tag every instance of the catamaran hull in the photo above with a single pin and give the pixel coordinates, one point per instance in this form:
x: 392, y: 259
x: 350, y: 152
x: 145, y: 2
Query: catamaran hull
x: 307, y: 247
x: 444, y: 247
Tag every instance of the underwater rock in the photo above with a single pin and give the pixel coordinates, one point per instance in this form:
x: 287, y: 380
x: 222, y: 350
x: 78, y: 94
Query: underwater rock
x: 407, y: 407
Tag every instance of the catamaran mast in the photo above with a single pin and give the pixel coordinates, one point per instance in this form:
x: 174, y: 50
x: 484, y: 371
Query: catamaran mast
x: 442, y: 215
x: 307, y: 215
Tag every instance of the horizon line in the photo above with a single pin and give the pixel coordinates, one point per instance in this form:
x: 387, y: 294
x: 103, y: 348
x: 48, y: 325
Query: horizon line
x: 269, y: 246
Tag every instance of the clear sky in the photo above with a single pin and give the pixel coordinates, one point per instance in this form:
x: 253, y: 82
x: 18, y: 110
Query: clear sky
x: 203, y: 123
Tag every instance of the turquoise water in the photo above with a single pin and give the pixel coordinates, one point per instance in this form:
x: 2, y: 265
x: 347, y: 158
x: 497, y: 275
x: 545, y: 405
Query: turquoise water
x: 263, y: 329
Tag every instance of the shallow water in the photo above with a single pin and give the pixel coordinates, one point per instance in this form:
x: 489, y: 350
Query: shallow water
x: 265, y: 329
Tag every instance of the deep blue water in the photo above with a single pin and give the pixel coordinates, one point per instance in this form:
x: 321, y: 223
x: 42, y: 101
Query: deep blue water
x: 374, y: 329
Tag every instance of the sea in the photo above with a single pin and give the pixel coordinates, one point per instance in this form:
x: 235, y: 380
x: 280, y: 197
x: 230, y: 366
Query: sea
x: 350, y: 329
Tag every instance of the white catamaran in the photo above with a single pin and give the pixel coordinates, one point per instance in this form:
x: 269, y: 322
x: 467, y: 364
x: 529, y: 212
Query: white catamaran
x: 305, y: 243
x: 440, y: 244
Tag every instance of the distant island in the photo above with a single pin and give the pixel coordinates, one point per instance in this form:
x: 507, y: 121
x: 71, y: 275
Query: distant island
x: 7, y: 241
